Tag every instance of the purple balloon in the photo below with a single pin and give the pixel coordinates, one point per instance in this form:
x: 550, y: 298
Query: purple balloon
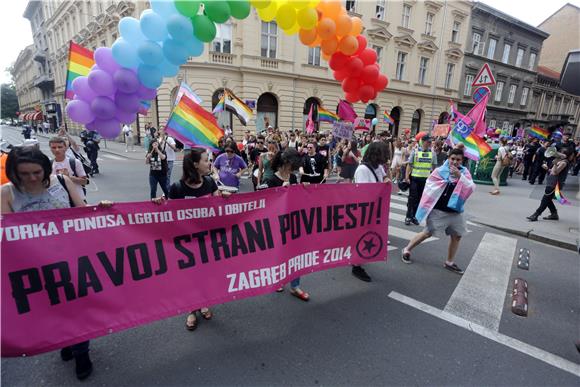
x: 127, y: 102
x: 146, y: 93
x: 101, y: 83
x: 105, y: 61
x: 95, y: 67
x: 124, y: 117
x: 79, y: 111
x: 103, y: 108
x: 82, y: 89
x: 126, y: 81
x: 107, y: 128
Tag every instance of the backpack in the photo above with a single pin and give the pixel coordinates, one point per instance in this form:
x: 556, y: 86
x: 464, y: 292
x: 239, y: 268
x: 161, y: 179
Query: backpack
x: 63, y: 183
x: 86, y: 163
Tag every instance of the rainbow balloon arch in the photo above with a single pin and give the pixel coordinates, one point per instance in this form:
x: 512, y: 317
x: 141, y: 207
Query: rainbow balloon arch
x: 154, y: 47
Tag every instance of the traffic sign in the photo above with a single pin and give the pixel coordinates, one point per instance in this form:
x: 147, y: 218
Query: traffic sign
x: 484, y: 77
x: 479, y: 93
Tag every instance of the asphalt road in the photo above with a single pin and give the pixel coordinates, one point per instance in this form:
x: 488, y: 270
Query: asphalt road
x: 413, y: 325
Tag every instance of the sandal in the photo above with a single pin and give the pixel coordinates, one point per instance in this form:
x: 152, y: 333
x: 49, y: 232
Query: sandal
x: 299, y: 293
x: 191, y: 324
x: 206, y: 313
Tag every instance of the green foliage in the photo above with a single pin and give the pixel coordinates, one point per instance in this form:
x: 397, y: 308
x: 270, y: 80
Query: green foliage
x: 8, y: 101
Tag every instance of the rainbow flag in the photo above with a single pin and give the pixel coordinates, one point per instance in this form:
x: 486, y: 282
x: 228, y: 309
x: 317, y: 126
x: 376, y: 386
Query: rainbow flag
x: 388, y: 119
x: 193, y: 126
x: 326, y: 116
x: 475, y: 146
x: 539, y: 132
x: 80, y: 61
x: 559, y: 197
x: 221, y: 105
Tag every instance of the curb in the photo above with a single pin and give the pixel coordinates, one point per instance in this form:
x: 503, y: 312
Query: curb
x: 535, y: 237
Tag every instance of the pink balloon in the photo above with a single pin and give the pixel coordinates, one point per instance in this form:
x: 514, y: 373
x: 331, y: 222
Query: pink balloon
x: 107, y: 128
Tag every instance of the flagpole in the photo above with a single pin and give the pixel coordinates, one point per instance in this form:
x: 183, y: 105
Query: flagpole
x: 67, y: 69
x: 438, y: 62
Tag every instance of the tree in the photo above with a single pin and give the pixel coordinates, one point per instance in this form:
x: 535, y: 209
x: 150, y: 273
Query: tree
x: 9, y: 101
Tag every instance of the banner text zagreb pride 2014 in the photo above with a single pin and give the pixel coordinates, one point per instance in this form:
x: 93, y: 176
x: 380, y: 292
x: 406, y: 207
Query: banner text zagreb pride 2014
x: 88, y: 272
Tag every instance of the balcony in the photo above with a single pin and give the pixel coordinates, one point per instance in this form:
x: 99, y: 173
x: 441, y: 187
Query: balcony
x: 40, y: 56
x: 221, y: 58
x: 269, y: 63
x: 44, y: 81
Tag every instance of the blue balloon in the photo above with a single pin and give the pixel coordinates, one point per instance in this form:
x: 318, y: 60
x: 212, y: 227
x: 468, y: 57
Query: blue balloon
x: 175, y: 52
x: 150, y: 76
x: 179, y: 27
x: 375, y: 121
x: 168, y: 69
x: 164, y: 8
x: 130, y: 30
x: 153, y: 26
x: 125, y: 53
x: 194, y: 46
x: 150, y: 53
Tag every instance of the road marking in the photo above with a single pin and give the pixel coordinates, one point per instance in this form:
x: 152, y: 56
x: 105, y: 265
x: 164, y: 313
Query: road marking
x: 396, y: 216
x: 520, y: 346
x: 402, y: 199
x: 399, y: 206
x: 480, y: 294
x: 391, y: 248
x: 405, y: 234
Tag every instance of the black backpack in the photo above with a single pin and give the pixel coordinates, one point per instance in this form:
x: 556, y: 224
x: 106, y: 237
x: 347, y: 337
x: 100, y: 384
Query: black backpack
x: 86, y: 163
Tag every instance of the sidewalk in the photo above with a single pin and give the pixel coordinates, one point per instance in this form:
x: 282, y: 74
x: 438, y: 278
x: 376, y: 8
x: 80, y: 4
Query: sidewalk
x: 508, y: 212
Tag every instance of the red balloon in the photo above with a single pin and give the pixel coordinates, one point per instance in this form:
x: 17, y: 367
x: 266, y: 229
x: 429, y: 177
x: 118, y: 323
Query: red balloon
x: 340, y: 75
x: 350, y: 84
x: 362, y: 44
x: 354, y: 66
x: 375, y: 93
x: 352, y: 97
x: 369, y: 74
x: 366, y: 93
x: 381, y: 82
x: 338, y: 60
x: 368, y: 56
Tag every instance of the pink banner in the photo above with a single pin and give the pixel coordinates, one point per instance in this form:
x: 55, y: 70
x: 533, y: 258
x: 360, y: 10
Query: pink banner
x: 76, y: 274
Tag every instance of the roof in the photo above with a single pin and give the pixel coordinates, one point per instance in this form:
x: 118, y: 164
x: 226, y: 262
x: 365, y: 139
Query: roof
x: 510, y: 19
x: 30, y: 8
x: 558, y: 11
x: 545, y: 71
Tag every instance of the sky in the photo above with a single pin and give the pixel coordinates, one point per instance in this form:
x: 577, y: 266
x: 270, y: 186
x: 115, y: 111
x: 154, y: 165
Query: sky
x: 15, y: 33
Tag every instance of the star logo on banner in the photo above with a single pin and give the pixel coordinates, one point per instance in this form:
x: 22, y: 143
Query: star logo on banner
x: 369, y: 245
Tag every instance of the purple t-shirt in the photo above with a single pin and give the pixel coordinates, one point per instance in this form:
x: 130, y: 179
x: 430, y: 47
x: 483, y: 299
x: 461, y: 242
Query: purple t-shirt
x: 228, y: 168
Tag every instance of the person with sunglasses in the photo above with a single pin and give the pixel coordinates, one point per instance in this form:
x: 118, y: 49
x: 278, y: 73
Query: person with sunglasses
x: 229, y: 166
x: 314, y: 167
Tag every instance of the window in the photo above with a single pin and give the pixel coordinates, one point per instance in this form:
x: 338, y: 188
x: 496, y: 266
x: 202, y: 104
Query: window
x: 476, y: 43
x: 429, y: 24
x: 449, y: 75
x: 401, y: 59
x: 532, y: 61
x: 492, y: 124
x: 351, y: 5
x: 380, y: 9
x: 505, y: 125
x: 520, y: 57
x: 512, y: 93
x: 506, y: 53
x: 468, y: 82
x: 406, y: 19
x: 269, y: 39
x: 524, y: 99
x: 223, y: 39
x: 455, y: 32
x: 491, y: 48
x: 314, y: 56
x: 498, y: 91
x: 424, y: 62
x: 379, y: 51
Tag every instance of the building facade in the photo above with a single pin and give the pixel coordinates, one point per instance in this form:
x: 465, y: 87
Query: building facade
x: 24, y: 73
x: 420, y: 47
x: 511, y: 48
x: 564, y: 29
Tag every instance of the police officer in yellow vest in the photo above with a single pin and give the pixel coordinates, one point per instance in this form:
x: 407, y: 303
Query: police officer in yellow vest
x: 421, y: 163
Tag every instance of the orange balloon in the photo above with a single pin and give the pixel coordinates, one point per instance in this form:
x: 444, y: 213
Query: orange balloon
x: 330, y: 8
x: 307, y: 37
x: 348, y: 45
x: 325, y: 57
x: 329, y: 46
x: 326, y: 28
x: 316, y: 42
x: 343, y: 25
x: 357, y: 26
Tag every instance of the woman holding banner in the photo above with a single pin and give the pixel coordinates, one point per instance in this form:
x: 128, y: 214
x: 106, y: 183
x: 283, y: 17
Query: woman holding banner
x: 32, y: 188
x: 195, y: 183
x: 284, y: 164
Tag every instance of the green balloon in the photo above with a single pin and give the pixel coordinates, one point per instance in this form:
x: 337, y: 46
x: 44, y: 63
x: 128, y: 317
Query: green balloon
x: 240, y: 8
x: 218, y: 11
x: 203, y: 28
x: 187, y: 8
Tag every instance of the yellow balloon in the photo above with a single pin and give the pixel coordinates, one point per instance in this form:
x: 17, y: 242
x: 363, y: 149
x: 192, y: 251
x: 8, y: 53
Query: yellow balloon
x: 259, y: 4
x: 269, y: 13
x: 286, y: 16
x: 293, y: 30
x: 307, y: 18
x: 299, y: 4
x: 313, y: 3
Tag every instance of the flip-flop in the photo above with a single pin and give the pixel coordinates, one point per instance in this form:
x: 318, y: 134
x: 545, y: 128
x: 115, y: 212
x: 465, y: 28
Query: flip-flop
x: 193, y: 326
x: 301, y: 294
x: 207, y: 314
